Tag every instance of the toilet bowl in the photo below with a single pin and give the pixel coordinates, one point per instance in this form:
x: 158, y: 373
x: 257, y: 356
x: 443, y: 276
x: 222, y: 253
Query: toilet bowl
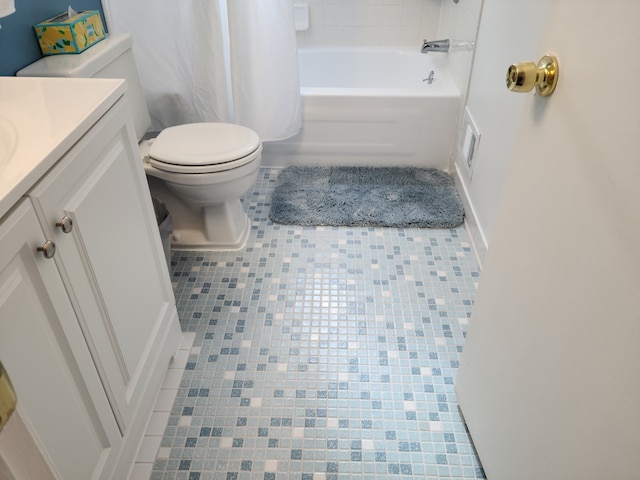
x: 200, y: 170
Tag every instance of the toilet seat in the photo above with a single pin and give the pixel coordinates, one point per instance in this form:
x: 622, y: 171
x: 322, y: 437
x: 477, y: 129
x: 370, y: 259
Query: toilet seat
x: 204, y: 148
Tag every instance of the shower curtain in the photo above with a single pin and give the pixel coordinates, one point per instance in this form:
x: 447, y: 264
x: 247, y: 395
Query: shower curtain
x: 213, y: 60
x: 264, y: 67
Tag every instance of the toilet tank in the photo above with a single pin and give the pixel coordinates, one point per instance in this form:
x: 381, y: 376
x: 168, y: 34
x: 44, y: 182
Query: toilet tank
x: 111, y: 58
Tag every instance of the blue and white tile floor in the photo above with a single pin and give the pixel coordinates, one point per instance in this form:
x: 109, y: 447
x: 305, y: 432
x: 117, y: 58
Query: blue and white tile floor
x: 320, y: 353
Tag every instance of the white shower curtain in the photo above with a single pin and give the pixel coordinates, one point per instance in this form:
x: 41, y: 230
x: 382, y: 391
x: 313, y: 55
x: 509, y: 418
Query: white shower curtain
x: 201, y: 60
x: 264, y: 67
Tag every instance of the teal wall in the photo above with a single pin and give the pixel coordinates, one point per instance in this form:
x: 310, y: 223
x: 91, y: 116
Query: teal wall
x: 18, y: 44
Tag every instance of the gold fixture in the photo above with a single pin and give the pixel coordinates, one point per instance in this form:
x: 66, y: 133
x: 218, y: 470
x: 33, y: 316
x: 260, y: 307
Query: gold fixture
x: 8, y: 397
x: 522, y: 77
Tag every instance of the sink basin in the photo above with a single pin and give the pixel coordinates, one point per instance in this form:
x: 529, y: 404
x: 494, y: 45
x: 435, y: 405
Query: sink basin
x: 8, y: 140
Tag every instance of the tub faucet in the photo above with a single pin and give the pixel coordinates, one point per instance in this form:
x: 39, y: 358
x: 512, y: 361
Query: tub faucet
x: 435, y: 46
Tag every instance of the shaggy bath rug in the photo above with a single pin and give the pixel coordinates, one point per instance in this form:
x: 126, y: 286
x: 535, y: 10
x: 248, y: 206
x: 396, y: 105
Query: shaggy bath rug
x: 366, y: 196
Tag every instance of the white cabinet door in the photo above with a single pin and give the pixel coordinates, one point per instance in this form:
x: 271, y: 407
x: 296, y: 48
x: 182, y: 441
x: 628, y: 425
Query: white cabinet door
x: 112, y: 260
x: 59, y: 396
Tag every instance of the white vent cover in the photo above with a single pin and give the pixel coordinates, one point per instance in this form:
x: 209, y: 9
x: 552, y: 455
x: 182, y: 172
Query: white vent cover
x: 468, y: 142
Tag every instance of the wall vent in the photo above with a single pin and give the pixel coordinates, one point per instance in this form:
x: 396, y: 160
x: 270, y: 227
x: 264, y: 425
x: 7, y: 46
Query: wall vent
x: 468, y: 142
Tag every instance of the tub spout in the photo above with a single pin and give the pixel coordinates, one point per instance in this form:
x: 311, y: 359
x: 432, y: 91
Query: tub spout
x: 435, y: 46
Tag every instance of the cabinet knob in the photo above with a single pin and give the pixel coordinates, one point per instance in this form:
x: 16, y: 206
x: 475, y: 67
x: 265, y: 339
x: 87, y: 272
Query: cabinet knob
x: 66, y: 224
x: 48, y: 249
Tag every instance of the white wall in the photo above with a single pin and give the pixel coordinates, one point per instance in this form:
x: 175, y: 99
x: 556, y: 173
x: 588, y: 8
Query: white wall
x: 370, y: 22
x: 496, y: 111
x: 459, y: 22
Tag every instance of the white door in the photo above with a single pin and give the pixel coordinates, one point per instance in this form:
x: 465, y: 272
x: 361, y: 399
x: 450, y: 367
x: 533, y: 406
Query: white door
x: 549, y: 382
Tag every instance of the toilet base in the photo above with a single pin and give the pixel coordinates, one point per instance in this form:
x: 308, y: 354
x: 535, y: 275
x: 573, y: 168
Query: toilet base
x: 224, y: 227
x: 195, y: 239
x: 220, y: 227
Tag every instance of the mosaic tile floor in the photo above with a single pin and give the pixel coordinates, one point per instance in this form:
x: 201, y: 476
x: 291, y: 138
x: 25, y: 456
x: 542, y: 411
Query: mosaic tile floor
x: 322, y: 353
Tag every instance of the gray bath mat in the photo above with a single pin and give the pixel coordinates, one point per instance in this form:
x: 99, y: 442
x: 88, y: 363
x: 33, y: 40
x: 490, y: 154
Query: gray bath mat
x: 366, y: 196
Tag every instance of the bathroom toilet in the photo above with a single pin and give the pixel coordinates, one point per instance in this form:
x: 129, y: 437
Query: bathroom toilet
x: 200, y: 170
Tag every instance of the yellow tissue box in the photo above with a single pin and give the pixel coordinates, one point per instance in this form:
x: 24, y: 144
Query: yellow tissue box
x: 64, y: 34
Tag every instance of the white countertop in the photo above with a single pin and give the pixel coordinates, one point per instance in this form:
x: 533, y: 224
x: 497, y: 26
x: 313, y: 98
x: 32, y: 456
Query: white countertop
x: 40, y: 120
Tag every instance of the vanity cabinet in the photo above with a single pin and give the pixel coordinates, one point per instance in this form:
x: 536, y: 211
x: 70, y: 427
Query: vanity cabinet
x: 92, y: 328
x: 109, y: 257
x: 59, y: 393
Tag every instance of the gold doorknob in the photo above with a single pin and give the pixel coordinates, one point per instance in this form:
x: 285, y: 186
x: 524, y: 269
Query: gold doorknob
x: 522, y: 77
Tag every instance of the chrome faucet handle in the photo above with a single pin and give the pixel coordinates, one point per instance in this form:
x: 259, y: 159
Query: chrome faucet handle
x: 430, y: 78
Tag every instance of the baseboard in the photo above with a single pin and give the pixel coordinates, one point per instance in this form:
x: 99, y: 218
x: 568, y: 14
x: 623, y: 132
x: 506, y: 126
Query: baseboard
x: 478, y: 242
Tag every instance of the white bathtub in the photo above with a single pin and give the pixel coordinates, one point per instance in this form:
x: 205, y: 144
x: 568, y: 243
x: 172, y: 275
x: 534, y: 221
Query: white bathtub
x: 365, y: 106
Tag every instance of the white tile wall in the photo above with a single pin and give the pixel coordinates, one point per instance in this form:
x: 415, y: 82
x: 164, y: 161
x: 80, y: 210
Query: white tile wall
x: 459, y: 22
x: 370, y: 22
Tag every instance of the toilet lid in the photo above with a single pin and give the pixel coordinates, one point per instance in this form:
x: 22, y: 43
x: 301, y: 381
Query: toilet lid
x: 203, y: 147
